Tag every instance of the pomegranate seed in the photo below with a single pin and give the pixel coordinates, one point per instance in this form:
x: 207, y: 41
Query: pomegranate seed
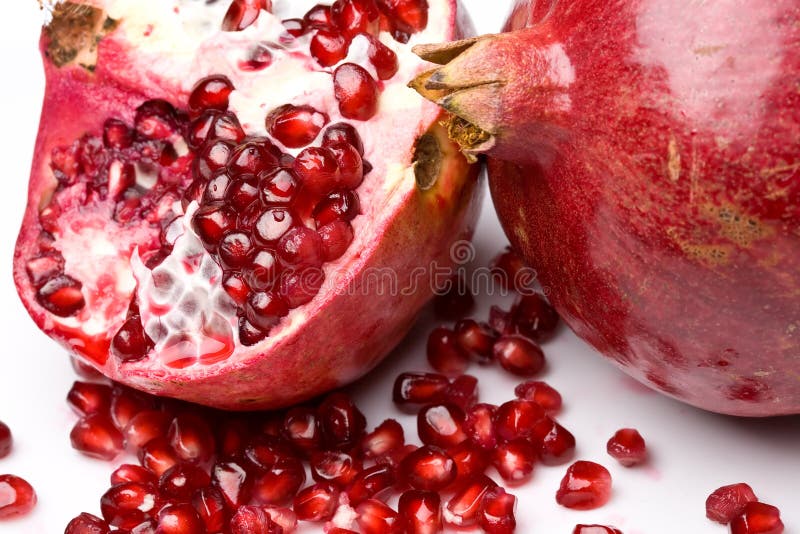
x: 758, y: 518
x: 595, y: 529
x: 265, y: 309
x: 277, y: 187
x: 252, y: 520
x: 727, y: 502
x: 157, y: 456
x: 295, y: 126
x: 116, y: 134
x: 509, y: 271
x: 557, y: 444
x: 419, y: 388
x: 294, y: 27
x: 329, y: 47
x: 338, y: 205
x: 263, y: 270
x: 471, y: 461
x: 212, y: 159
x: 351, y: 165
x: 337, y: 468
x: 133, y: 473
x: 88, y: 398
x: 272, y: 225
x: 441, y: 425
x: 316, y: 503
x: 497, y: 512
x: 375, y: 517
x: 393, y: 458
x: 408, y: 16
x: 586, y: 486
x: 341, y: 422
x: 227, y: 128
x: 96, y: 436
x: 210, y: 93
x: 282, y: 517
x: 464, y: 507
x: 336, y: 238
x: 342, y: 133
x: 519, y: 355
x: 251, y: 158
x: 301, y: 428
x: 428, y: 468
x: 318, y: 16
x: 463, y: 391
x: 300, y: 287
x: 200, y: 129
x: 145, y: 426
x: 371, y: 482
x: 156, y: 119
x: 387, y: 437
x: 179, y: 519
x: 628, y: 447
x: 17, y: 497
x: 352, y: 17
x: 382, y: 58
x: 534, y: 317
x: 87, y: 524
x: 6, y: 440
x: 212, y: 221
x: 500, y: 320
x: 541, y: 393
x: 61, y: 296
x: 480, y: 427
x: 210, y: 507
x: 300, y: 247
x: 241, y: 193
x: 231, y: 480
x: 128, y: 505
x: 356, y: 92
x: 131, y: 342
x: 444, y: 353
x: 265, y: 451
x: 242, y: 14
x: 191, y: 438
x: 280, y: 483
x: 182, y: 480
x: 235, y: 249
x: 516, y: 419
x: 317, y: 170
x: 475, y: 339
x: 127, y: 404
x: 514, y: 460
x: 420, y: 512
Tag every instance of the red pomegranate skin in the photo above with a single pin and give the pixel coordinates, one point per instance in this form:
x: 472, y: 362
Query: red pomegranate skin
x: 651, y: 175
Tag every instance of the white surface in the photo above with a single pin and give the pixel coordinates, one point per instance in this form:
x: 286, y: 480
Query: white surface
x: 692, y: 452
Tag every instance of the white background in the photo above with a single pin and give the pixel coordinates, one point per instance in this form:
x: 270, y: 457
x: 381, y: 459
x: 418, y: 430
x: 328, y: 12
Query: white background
x: 692, y: 452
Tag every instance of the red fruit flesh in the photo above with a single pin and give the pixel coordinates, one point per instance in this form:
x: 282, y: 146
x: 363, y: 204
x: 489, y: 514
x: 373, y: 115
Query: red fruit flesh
x: 179, y: 519
x: 595, y: 529
x: 758, y: 518
x: 628, y: 447
x: 316, y: 503
x: 6, y: 440
x: 17, y: 497
x: 463, y: 508
x: 96, y: 436
x: 497, y: 512
x: 177, y: 241
x: 375, y: 517
x: 586, y: 486
x: 515, y: 460
x: 420, y: 512
x: 727, y: 502
x: 252, y: 520
x: 428, y: 468
x: 89, y: 398
x: 128, y: 505
x: 643, y: 129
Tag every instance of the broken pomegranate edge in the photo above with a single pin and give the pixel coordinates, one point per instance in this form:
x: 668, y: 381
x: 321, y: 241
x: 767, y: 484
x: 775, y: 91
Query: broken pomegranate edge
x: 417, y: 207
x: 651, y: 184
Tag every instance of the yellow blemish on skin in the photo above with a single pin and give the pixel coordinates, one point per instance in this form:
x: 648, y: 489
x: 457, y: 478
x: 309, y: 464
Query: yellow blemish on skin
x: 673, y: 159
x: 708, y: 50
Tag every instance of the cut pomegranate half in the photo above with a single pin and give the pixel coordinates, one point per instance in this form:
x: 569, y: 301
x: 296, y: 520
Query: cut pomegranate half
x: 213, y: 205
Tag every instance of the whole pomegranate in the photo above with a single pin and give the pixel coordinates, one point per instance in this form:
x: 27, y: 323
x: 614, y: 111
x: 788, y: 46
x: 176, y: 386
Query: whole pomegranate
x: 230, y: 202
x: 645, y: 160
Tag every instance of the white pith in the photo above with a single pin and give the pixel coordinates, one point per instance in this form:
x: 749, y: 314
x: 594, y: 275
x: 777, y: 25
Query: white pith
x: 180, y: 48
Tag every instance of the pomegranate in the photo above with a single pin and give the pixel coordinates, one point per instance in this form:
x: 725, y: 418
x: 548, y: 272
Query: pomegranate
x: 210, y: 207
x: 727, y: 502
x: 644, y: 162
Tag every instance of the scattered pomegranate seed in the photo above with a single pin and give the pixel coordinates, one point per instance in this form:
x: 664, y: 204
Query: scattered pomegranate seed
x: 515, y: 460
x: 252, y: 520
x: 133, y: 473
x: 144, y: 427
x: 96, y: 436
x: 480, y: 427
x: 627, y: 446
x: 727, y: 502
x: 375, y: 517
x: 301, y: 428
x: 329, y: 47
x: 556, y: 443
x: 441, y: 425
x: 444, y: 353
x: 541, y: 393
x: 179, y: 518
x: 471, y: 461
x: 295, y: 126
x: 352, y: 17
x: 6, y: 440
x: 157, y: 456
x: 279, y: 483
x: 464, y: 507
x: 516, y: 419
x: 595, y: 529
x: 414, y: 389
x: 758, y: 518
x: 318, y: 16
x: 17, y: 497
x: 282, y: 517
x: 341, y: 422
x: 356, y: 92
x: 428, y: 468
x: 420, y: 512
x: 386, y: 437
x: 334, y: 467
x: 382, y: 58
x: 180, y: 481
x: 242, y: 14
x: 534, y: 318
x: 87, y: 524
x: 128, y: 505
x: 497, y: 512
x: 210, y: 507
x: 231, y: 480
x: 191, y: 438
x: 586, y: 486
x: 210, y: 93
x: 476, y: 340
x: 519, y: 355
x: 316, y: 503
x: 371, y: 482
x: 127, y: 404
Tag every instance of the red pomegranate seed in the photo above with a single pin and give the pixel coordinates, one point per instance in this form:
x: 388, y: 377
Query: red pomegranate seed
x: 87, y: 524
x: 227, y: 128
x: 44, y: 267
x: 595, y: 529
x: 133, y: 473
x: 242, y: 14
x: 301, y: 428
x: 201, y: 128
x: 475, y: 339
x: 519, y: 355
x: 352, y: 17
x: 300, y: 247
x: 241, y: 193
x: 471, y: 461
x: 236, y: 249
x: 463, y: 392
x: 252, y: 520
x: 128, y: 505
x: 534, y: 318
x: 336, y: 238
x: 316, y: 503
x: 500, y: 320
x: 264, y: 309
x: 413, y: 389
x: 444, y: 353
x: 273, y: 224
x: 84, y: 370
x: 17, y: 497
x: 131, y: 342
x: 335, y: 467
x: 6, y: 440
x: 541, y: 393
x: 282, y: 517
x: 420, y: 512
x: 210, y: 93
x: 156, y: 119
x: 252, y: 158
x: 428, y: 468
x: 356, y: 92
x: 280, y: 483
x: 758, y: 518
x: 213, y: 221
x: 117, y: 134
x: 393, y: 458
x: 510, y: 271
x: 294, y: 27
x: 586, y: 486
x: 387, y: 437
x: 408, y: 16
x: 727, y: 502
x: 341, y: 422
x: 317, y: 170
x: 96, y: 436
x: 497, y: 512
x: 318, y: 16
x: 556, y: 443
x: 301, y: 286
x: 382, y: 58
x: 329, y: 47
x: 88, y: 398
x: 516, y: 419
x: 295, y: 126
x: 144, y: 427
x: 231, y: 480
x: 212, y: 159
x: 265, y: 451
x: 515, y: 460
x: 210, y: 506
x: 479, y: 425
x: 351, y: 165
x: 191, y: 438
x: 464, y: 507
x: 441, y: 425
x: 157, y: 456
x: 126, y: 404
x: 343, y: 133
x: 180, y: 518
x: 180, y: 481
x: 61, y: 295
x: 371, y: 482
x: 376, y: 517
x: 628, y: 447
x: 338, y: 205
x: 277, y: 187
